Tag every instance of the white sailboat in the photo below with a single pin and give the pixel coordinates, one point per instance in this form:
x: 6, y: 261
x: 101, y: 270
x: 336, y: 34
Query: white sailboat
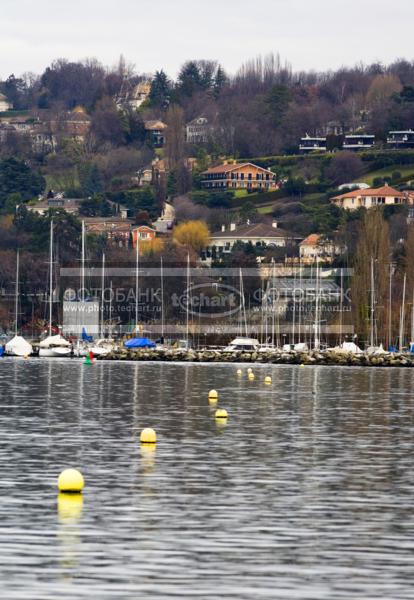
x: 102, y: 346
x: 17, y: 346
x: 54, y: 346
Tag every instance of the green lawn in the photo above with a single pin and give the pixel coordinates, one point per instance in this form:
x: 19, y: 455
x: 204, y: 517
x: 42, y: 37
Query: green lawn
x: 405, y: 170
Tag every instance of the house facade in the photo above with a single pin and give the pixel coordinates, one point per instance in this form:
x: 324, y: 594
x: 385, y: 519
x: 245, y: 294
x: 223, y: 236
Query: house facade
x: 371, y: 197
x: 357, y: 142
x: 312, y: 144
x: 239, y: 176
x: 198, y: 131
x: 401, y: 139
x: 258, y: 234
x: 156, y: 131
x: 317, y: 247
x: 116, y: 230
x: 143, y: 233
x: 5, y: 105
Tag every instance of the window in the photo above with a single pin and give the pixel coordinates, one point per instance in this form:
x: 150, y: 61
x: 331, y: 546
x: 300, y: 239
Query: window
x: 242, y: 176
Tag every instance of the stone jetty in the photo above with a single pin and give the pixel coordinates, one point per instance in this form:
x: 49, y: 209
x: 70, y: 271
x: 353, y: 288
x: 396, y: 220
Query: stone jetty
x: 313, y: 357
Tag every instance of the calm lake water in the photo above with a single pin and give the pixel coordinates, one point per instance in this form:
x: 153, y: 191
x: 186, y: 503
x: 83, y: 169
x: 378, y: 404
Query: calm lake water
x: 308, y: 492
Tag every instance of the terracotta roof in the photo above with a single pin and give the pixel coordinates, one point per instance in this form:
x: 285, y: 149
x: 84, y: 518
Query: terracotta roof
x: 233, y: 167
x: 385, y: 190
x: 312, y: 240
x: 154, y: 125
x: 257, y: 230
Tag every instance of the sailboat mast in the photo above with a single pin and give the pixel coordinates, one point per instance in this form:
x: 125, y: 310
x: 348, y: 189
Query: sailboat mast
x: 188, y: 300
x: 412, y: 321
x: 390, y: 309
x: 16, y: 300
x: 317, y: 340
x: 162, y: 299
x: 83, y: 263
x: 341, y: 307
x: 243, y: 302
x: 371, y: 337
x: 402, y: 315
x: 273, y: 302
x: 51, y: 278
x: 102, y: 297
x: 136, y: 281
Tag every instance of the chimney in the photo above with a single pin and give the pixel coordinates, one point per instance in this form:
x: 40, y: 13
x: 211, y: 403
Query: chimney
x: 232, y: 226
x: 223, y: 228
x: 274, y: 224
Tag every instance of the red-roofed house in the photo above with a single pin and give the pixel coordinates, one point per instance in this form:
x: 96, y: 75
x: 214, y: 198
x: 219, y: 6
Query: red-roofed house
x: 317, y: 246
x: 239, y: 176
x: 370, y: 197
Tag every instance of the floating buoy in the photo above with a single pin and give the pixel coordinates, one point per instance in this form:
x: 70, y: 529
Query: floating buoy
x: 250, y: 370
x: 212, y: 400
x: 71, y: 481
x: 239, y: 372
x: 302, y: 365
x: 25, y: 357
x: 87, y: 360
x: 91, y: 356
x: 251, y: 376
x: 221, y: 413
x: 212, y: 395
x: 148, y: 436
x: 268, y: 380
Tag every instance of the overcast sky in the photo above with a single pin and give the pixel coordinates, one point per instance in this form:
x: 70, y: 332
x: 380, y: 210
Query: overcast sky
x: 155, y: 34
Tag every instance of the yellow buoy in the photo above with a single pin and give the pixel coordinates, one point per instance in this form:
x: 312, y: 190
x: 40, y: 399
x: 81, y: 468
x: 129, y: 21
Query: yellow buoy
x: 70, y: 480
x: 148, y: 436
x: 212, y: 395
x: 250, y: 370
x: 212, y: 400
x: 221, y: 413
x: 239, y: 372
x: 302, y: 365
x: 251, y: 376
x: 268, y: 380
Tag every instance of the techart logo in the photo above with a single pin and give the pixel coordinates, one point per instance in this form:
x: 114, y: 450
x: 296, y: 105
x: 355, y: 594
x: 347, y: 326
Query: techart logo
x: 69, y: 295
x: 209, y: 301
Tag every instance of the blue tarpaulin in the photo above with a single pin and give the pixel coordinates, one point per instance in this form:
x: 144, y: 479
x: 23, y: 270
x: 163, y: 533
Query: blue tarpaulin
x: 1, y: 350
x: 139, y: 343
x: 85, y: 336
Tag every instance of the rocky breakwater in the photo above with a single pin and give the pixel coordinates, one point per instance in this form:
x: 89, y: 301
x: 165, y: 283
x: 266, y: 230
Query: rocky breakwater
x: 313, y: 357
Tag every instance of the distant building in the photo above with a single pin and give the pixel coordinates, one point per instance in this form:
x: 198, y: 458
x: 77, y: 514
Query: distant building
x: 144, y: 233
x: 259, y: 234
x: 115, y: 229
x: 156, y: 130
x: 139, y: 94
x: 316, y: 246
x: 239, y: 176
x: 198, y: 131
x: 371, y: 197
x: 76, y: 124
x: 401, y: 139
x: 70, y: 205
x: 164, y: 224
x: 5, y: 105
x: 312, y: 144
x: 359, y: 142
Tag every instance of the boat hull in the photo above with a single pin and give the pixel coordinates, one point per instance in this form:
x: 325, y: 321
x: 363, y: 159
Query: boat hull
x: 54, y: 352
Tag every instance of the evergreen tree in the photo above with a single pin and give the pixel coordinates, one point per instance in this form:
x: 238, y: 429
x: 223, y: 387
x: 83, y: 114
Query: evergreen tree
x: 160, y: 90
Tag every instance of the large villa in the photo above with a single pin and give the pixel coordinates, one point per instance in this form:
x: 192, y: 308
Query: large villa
x: 371, y: 197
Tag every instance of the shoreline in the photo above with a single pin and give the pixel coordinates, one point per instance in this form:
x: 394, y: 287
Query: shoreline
x: 313, y: 357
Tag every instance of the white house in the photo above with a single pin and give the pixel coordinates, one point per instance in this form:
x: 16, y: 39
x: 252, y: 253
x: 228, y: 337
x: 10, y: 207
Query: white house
x: 370, y: 197
x: 316, y: 246
x: 259, y: 234
x: 198, y: 131
x: 5, y: 105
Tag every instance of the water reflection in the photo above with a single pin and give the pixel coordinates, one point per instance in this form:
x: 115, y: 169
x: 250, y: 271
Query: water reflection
x: 306, y: 491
